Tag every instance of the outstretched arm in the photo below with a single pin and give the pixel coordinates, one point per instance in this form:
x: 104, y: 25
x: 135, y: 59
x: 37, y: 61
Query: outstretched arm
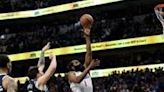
x: 88, y: 55
x: 41, y: 62
x: 50, y: 71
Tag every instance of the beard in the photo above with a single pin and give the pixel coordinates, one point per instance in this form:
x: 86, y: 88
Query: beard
x: 79, y: 68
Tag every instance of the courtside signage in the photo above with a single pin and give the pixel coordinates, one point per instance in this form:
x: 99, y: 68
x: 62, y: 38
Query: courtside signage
x: 54, y: 9
x: 95, y: 47
x: 106, y: 72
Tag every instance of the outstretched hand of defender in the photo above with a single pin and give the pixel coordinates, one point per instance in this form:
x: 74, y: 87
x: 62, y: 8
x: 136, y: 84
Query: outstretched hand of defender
x: 94, y: 63
x: 51, y: 56
x: 46, y: 47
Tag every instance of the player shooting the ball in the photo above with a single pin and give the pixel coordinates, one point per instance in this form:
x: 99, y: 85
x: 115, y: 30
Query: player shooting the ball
x: 78, y: 75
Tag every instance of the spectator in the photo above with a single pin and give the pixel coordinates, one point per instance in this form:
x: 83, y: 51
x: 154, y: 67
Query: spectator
x: 62, y: 35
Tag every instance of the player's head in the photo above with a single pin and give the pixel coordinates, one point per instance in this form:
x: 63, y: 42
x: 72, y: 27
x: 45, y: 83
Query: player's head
x: 75, y: 65
x: 5, y: 63
x: 34, y: 73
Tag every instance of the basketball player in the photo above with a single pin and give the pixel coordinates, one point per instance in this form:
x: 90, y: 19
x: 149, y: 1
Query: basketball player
x: 78, y: 75
x: 7, y: 83
x: 38, y: 78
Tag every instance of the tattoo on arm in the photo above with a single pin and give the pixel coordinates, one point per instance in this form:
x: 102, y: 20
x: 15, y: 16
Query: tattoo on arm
x: 41, y: 59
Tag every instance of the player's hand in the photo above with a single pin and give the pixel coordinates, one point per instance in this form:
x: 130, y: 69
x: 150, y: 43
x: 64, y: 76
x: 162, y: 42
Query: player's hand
x: 52, y: 56
x: 46, y: 47
x: 94, y: 63
x: 87, y: 32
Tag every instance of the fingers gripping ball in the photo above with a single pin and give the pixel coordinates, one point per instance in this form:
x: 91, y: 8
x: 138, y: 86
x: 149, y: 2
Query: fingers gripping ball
x: 86, y: 20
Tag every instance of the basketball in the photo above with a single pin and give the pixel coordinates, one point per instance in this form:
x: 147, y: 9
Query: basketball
x: 86, y: 21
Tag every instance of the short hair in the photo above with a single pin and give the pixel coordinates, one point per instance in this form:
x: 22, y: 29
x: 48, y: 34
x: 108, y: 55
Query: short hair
x: 4, y: 60
x: 32, y: 72
x: 70, y: 64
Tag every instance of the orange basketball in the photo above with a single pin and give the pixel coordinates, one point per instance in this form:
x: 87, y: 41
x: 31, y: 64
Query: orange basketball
x: 86, y: 20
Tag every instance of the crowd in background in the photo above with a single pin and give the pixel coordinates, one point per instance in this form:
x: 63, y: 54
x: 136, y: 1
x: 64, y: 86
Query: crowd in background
x: 28, y: 37
x: 147, y: 80
x: 132, y: 81
x: 31, y: 37
x: 22, y: 5
x: 109, y: 59
x: 109, y: 25
x: 124, y: 59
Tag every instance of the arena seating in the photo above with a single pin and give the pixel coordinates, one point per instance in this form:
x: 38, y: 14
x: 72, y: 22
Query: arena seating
x: 130, y: 81
x: 28, y: 37
x: 22, y: 5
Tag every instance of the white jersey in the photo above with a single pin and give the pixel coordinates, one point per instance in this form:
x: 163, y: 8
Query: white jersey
x: 84, y: 86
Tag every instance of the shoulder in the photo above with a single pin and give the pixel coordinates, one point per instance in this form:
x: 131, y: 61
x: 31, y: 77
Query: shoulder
x: 7, y: 79
x: 9, y: 82
x: 71, y: 73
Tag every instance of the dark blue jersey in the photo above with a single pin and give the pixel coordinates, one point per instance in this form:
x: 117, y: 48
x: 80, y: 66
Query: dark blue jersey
x: 32, y: 87
x: 1, y: 86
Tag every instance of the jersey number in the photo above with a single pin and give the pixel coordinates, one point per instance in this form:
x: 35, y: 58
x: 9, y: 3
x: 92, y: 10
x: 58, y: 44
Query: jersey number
x: 85, y: 83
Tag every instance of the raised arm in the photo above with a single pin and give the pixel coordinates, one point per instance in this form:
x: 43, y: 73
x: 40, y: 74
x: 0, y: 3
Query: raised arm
x: 41, y: 62
x: 88, y: 55
x: 50, y: 71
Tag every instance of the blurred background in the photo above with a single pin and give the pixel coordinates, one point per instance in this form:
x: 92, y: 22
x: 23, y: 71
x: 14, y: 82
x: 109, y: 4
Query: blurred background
x: 27, y: 25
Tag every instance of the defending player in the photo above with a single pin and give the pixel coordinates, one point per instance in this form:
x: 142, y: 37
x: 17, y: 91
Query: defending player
x: 38, y: 78
x: 7, y: 83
